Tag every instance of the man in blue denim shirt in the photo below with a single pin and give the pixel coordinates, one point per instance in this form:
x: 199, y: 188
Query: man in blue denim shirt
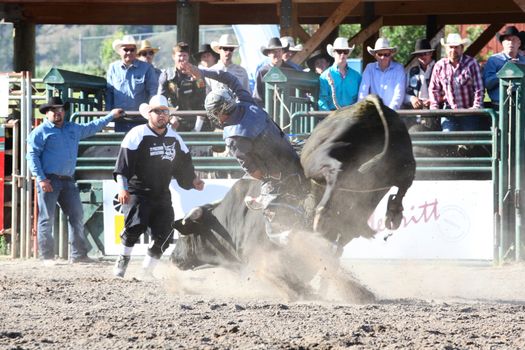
x: 52, y: 156
x: 510, y: 40
x: 130, y: 81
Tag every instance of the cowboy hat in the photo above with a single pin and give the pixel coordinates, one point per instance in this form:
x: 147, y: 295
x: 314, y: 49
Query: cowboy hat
x: 422, y: 46
x: 145, y: 45
x: 508, y: 31
x: 157, y: 101
x: 339, y: 44
x: 288, y: 40
x: 318, y: 54
x: 203, y: 49
x: 273, y: 44
x: 381, y: 44
x: 53, y: 102
x: 127, y: 40
x: 454, y: 39
x: 226, y: 40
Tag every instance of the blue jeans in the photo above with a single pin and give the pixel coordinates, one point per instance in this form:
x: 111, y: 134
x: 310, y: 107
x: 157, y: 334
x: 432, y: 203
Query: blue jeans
x: 66, y: 193
x: 463, y: 124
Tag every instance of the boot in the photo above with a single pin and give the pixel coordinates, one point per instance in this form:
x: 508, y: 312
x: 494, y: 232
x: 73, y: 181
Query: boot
x: 121, y: 265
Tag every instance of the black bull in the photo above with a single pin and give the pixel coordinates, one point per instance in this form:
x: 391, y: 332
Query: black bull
x: 353, y: 158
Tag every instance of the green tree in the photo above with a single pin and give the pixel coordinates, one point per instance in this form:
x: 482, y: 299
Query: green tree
x: 404, y: 38
x: 107, y: 54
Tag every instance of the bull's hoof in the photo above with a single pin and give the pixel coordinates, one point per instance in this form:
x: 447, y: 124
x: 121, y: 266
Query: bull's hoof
x: 393, y: 220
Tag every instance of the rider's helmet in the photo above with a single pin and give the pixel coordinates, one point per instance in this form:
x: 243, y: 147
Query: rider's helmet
x: 219, y: 102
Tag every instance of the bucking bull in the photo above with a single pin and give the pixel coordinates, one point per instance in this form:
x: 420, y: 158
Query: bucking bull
x: 352, y: 159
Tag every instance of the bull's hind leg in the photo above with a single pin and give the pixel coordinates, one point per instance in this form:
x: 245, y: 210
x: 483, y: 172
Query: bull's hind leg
x: 330, y: 175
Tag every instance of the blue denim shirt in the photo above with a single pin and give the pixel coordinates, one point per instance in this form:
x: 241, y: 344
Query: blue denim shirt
x: 492, y: 67
x: 128, y: 87
x: 53, y: 150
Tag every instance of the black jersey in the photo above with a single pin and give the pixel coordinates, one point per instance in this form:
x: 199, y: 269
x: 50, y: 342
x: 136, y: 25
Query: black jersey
x: 149, y: 161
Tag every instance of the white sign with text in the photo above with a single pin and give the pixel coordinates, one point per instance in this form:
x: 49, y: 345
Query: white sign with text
x: 442, y: 220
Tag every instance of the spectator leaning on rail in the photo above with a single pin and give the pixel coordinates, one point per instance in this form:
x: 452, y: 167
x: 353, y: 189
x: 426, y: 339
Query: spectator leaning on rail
x: 130, y: 81
x: 52, y: 156
x: 146, y: 53
x: 418, y: 80
x: 385, y: 78
x: 274, y: 51
x: 510, y: 39
x: 456, y: 82
x: 339, y: 84
x: 225, y: 47
x: 291, y: 51
x: 259, y: 145
x: 150, y: 155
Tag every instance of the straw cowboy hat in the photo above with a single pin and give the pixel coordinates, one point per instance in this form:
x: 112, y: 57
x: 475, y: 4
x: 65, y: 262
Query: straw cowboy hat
x: 339, y: 44
x: 127, y: 40
x: 422, y: 46
x: 290, y: 42
x: 454, y: 39
x: 226, y: 40
x: 508, y: 31
x: 157, y: 101
x: 274, y: 43
x: 145, y: 45
x: 381, y: 44
x: 54, y: 102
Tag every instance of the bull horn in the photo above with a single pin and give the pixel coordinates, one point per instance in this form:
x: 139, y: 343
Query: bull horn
x: 369, y: 164
x: 194, y: 215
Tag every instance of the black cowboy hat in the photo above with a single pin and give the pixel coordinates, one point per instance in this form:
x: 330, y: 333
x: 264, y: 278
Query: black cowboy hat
x: 422, y: 46
x: 53, y: 102
x: 274, y: 43
x: 205, y: 48
x: 318, y: 54
x: 507, y: 31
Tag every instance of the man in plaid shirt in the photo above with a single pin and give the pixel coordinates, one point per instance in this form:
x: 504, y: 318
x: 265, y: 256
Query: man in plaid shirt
x: 457, y: 82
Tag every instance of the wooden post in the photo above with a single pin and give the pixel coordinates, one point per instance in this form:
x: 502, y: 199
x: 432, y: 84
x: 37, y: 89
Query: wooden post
x: 188, y: 24
x: 368, y: 19
x: 24, y: 47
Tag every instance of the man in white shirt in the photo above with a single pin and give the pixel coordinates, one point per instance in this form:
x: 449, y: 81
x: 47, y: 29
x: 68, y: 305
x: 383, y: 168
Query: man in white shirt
x: 225, y: 47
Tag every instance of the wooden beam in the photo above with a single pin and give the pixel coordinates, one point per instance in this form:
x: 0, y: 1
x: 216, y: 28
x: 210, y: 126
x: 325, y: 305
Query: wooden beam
x: 483, y: 39
x: 326, y: 28
x: 367, y: 32
x: 521, y: 4
x: 300, y: 32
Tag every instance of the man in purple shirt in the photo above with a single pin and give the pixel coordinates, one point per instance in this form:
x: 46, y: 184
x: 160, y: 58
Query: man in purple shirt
x: 456, y: 82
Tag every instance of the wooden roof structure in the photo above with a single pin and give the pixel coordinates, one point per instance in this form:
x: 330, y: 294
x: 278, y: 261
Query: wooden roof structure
x: 290, y: 14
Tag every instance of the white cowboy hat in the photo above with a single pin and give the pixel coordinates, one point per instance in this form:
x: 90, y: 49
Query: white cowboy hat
x: 226, y: 40
x: 339, y: 44
x: 454, y: 39
x: 157, y: 101
x: 288, y: 40
x: 125, y: 41
x: 381, y: 44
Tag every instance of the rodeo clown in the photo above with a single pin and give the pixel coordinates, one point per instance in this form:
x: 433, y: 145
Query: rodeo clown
x: 150, y: 155
x: 260, y: 146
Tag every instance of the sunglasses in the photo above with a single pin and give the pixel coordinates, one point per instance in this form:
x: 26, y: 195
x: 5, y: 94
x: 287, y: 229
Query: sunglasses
x: 385, y: 55
x: 147, y: 53
x: 231, y: 49
x: 160, y: 111
x: 343, y: 52
x: 128, y: 49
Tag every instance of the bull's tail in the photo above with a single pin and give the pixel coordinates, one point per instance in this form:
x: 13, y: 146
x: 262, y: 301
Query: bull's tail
x: 366, y: 167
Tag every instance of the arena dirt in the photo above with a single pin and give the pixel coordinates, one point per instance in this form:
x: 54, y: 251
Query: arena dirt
x: 420, y: 305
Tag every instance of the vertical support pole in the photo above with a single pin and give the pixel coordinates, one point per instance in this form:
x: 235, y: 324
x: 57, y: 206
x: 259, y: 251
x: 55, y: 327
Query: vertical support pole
x: 23, y: 182
x: 431, y: 31
x: 518, y: 137
x: 286, y: 21
x: 188, y: 24
x: 367, y: 19
x: 24, y: 47
x: 15, y: 233
x: 28, y: 101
